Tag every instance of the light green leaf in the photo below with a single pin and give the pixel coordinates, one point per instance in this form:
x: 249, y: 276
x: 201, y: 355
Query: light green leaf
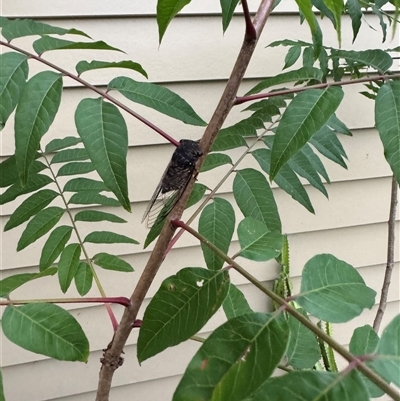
x: 69, y: 155
x: 46, y: 329
x: 180, y: 308
x: 387, y: 117
x: 228, y: 8
x: 235, y: 303
x: 105, y: 136
x: 292, y: 56
x: 11, y: 283
x: 227, y: 139
x: 257, y: 242
x: 41, y: 224
x: 333, y: 290
x: 375, y: 58
x: 29, y: 207
x: 84, y: 66
x: 68, y: 265
x: 235, y: 359
x: 158, y: 98
x: 214, y: 160
x: 75, y: 168
x: 336, y: 6
x: 354, y: 10
x: 13, y: 75
x: 308, y: 112
x: 254, y: 197
x: 217, y: 224
x: 84, y: 184
x: 107, y: 237
x: 36, y: 110
x: 83, y: 278
x: 92, y: 198
x: 58, y: 144
x: 54, y: 246
x: 112, y: 262
x: 46, y: 43
x: 95, y: 215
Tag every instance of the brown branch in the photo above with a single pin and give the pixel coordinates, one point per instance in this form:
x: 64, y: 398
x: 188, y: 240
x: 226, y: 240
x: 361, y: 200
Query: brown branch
x: 390, y: 256
x: 113, y: 352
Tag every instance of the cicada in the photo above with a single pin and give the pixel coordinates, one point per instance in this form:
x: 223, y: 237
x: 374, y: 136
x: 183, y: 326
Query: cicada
x: 174, y: 180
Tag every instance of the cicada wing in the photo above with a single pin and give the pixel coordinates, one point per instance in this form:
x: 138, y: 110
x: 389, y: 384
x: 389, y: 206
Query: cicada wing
x: 161, y: 208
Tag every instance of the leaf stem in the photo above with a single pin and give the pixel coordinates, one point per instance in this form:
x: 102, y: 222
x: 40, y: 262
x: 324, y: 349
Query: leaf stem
x: 280, y: 301
x: 108, y: 300
x: 251, y: 33
x: 105, y: 95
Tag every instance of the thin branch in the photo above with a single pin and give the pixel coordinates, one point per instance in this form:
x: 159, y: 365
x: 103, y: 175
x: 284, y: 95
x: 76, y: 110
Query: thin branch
x: 390, y: 256
x: 94, y: 89
x: 296, y: 314
x: 251, y: 33
x: 107, y: 300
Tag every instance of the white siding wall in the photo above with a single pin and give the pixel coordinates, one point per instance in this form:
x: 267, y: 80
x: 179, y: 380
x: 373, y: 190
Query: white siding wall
x: 194, y: 60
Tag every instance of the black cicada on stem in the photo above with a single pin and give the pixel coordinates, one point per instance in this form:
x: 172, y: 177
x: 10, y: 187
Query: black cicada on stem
x: 174, y: 180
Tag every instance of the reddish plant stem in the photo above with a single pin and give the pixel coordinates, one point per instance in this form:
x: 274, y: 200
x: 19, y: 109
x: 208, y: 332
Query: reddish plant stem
x: 251, y: 33
x: 110, y: 300
x: 390, y: 256
x: 105, y: 95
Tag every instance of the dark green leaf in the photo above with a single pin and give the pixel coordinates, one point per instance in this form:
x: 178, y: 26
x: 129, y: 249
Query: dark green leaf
x: 382, y: 23
x: 92, y: 198
x: 315, y: 161
x: 308, y: 57
x: 235, y: 303
x: 83, y: 66
x: 337, y: 9
x: 321, y: 6
x: 4, y: 21
x: 228, y: 138
x: 180, y: 308
x: 375, y: 58
x: 11, y: 283
x: 197, y: 194
x: 338, y: 126
x: 57, y: 144
x: 354, y: 10
x: 105, y: 136
x: 217, y: 224
x: 158, y: 98
x: 36, y: 110
x: 75, y: 168
x: 255, y: 199
x: 214, y: 160
x: 333, y: 290
x: 95, y: 215
x: 84, y: 184
x: 83, y: 278
x: 54, y: 246
x: 107, y: 237
x: 228, y: 8
x: 41, y: 224
x: 69, y: 155
x: 292, y: 56
x: 68, y: 265
x: 235, y: 359
x: 29, y: 207
x: 46, y: 329
x: 46, y: 43
x: 387, y: 117
x: 288, y: 42
x: 112, y: 262
x: 9, y: 173
x: 13, y: 76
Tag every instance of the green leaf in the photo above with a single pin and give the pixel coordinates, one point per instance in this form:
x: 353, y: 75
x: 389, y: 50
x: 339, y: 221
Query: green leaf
x: 2, y: 398
x: 83, y: 278
x: 92, y: 198
x: 46, y: 329
x: 29, y: 207
x: 84, y: 66
x: 41, y: 224
x: 235, y: 303
x: 338, y: 126
x: 254, y: 197
x: 336, y: 6
x: 105, y: 136
x: 68, y: 265
x: 95, y: 215
x: 46, y: 43
x: 75, y: 168
x: 214, y: 160
x: 181, y: 307
x: 197, y: 194
x: 228, y: 139
x: 9, y: 173
x: 235, y: 359
x: 388, y: 352
x: 286, y: 179
x: 27, y: 27
x: 387, y: 117
x: 84, y: 184
x: 315, y: 161
x: 307, y: 113
x: 69, y: 155
x: 13, y: 75
x: 382, y: 23
x: 257, y: 242
x: 166, y: 10
x: 11, y: 283
x: 228, y: 8
x: 107, y: 237
x: 302, y: 74
x: 58, y: 144
x: 35, y: 182
x: 54, y: 246
x: 158, y: 98
x: 292, y: 56
x: 112, y: 262
x: 303, y: 350
x: 36, y: 110
x: 375, y: 58
x: 217, y: 224
x: 363, y: 342
x: 325, y: 11
x: 333, y: 290
x: 354, y: 10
